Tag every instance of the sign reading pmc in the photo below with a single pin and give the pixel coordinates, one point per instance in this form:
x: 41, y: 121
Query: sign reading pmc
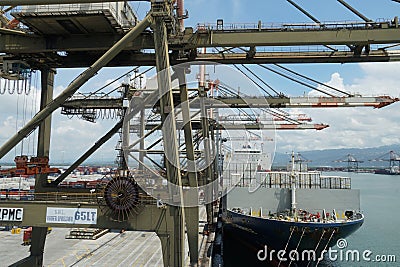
x: 11, y: 214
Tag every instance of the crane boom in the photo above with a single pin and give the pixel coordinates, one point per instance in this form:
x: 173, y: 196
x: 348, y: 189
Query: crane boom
x: 310, y: 102
x: 257, y: 102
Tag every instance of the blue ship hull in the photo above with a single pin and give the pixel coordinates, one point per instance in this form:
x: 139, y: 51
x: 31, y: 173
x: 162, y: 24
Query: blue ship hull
x: 290, y: 235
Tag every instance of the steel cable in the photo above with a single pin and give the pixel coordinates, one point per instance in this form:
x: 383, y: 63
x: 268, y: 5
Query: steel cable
x: 11, y: 92
x: 4, y: 87
x: 313, y: 80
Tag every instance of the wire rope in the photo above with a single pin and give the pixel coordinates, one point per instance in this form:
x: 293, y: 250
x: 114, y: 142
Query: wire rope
x: 251, y: 79
x: 16, y: 122
x: 313, y: 80
x: 297, y: 81
x: 37, y: 107
x: 261, y: 80
x: 9, y: 88
x: 108, y: 84
x: 20, y: 88
x: 3, y: 87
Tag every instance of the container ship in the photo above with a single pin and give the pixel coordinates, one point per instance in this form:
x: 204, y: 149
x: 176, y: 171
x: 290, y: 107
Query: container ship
x: 394, y: 164
x: 391, y: 171
x: 294, y: 210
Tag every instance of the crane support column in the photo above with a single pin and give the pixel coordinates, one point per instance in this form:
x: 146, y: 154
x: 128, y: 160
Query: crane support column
x: 207, y: 150
x: 37, y: 248
x: 142, y: 127
x: 39, y: 234
x: 167, y: 236
x: 43, y: 147
x: 160, y: 10
x: 191, y: 213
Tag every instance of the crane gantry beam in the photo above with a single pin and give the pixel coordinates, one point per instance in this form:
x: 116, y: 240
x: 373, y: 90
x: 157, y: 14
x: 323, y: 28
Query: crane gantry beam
x: 356, y: 35
x: 126, y: 58
x: 288, y: 36
x: 383, y: 33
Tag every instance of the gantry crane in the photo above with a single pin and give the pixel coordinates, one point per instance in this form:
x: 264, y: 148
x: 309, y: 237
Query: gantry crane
x: 352, y: 162
x: 394, y: 163
x: 160, y: 40
x: 26, y: 166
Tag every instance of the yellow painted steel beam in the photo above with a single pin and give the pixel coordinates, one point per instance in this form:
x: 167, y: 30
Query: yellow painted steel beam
x: 34, y: 214
x: 210, y: 38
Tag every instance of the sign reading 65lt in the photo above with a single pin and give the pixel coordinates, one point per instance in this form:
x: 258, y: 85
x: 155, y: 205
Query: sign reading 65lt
x: 71, y: 215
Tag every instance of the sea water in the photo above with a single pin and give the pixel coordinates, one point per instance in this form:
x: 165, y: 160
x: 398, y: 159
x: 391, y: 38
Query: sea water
x: 377, y: 239
x: 380, y: 233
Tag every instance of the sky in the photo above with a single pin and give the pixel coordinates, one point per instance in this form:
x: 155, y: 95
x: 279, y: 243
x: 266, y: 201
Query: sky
x: 349, y: 127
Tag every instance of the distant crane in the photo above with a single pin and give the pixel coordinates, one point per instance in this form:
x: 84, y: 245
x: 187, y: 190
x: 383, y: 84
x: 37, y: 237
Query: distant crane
x: 352, y: 162
x: 29, y: 166
x: 394, y: 163
x: 298, y: 163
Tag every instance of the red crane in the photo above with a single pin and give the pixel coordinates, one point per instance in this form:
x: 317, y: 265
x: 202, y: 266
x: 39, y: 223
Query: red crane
x: 29, y: 166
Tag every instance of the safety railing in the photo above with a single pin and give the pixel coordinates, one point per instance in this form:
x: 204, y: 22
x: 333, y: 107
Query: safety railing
x: 335, y: 25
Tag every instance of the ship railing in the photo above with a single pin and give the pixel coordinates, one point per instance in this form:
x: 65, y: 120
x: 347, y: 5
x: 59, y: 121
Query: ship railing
x: 316, y: 215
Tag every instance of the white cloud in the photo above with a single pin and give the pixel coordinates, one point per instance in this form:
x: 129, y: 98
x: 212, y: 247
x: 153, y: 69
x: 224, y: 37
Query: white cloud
x: 74, y: 136
x: 335, y: 82
x: 7, y: 127
x: 71, y: 136
x: 349, y: 127
x: 236, y: 8
x: 352, y: 127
